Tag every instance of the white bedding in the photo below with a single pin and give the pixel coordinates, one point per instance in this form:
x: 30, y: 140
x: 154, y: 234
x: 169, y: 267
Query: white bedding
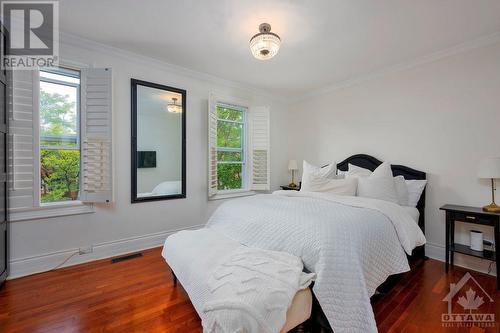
x: 353, y: 244
x: 196, y: 255
x: 413, y: 212
x: 252, y: 290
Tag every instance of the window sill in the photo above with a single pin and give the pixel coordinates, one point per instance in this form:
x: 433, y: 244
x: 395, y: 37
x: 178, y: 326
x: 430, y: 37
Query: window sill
x: 232, y: 194
x: 52, y: 210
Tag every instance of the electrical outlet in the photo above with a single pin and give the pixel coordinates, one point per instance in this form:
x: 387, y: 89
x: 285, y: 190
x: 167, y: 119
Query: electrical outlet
x: 488, y: 242
x: 85, y: 250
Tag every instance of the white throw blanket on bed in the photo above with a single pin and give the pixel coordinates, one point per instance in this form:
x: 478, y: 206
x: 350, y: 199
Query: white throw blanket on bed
x: 353, y: 244
x: 252, y: 290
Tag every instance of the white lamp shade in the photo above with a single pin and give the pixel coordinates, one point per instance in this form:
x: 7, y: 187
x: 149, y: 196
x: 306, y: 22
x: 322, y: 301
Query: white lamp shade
x: 489, y: 168
x: 292, y: 165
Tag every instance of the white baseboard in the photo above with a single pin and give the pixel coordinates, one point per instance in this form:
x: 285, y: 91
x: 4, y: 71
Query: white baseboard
x: 436, y: 251
x: 48, y: 261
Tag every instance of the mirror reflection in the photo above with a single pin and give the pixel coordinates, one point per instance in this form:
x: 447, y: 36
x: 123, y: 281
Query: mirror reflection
x: 159, y: 125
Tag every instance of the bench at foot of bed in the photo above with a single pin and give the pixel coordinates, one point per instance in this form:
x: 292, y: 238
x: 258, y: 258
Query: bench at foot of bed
x: 191, y: 261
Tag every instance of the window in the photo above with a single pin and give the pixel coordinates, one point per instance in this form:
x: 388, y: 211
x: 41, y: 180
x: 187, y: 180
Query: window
x: 231, y: 150
x: 59, y: 135
x: 62, y: 145
x: 238, y: 148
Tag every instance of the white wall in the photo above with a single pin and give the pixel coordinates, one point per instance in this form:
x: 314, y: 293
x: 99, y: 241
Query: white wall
x: 122, y: 227
x: 440, y: 117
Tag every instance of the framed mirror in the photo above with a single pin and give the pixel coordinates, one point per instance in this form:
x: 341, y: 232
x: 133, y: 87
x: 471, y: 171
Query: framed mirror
x: 158, y: 142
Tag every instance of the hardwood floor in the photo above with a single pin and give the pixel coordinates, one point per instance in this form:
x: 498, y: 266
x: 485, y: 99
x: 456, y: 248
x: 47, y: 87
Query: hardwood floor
x: 138, y: 296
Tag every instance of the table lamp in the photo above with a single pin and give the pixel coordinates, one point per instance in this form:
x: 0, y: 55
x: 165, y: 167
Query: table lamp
x: 292, y: 166
x: 489, y: 168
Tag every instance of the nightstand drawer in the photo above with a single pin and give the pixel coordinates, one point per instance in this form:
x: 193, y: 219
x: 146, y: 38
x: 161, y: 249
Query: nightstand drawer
x: 473, y: 218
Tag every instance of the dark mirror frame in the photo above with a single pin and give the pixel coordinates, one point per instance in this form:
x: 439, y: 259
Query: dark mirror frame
x: 134, y: 83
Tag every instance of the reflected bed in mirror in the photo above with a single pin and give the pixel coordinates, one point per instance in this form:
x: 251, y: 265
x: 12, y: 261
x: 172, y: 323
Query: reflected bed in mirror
x: 158, y: 142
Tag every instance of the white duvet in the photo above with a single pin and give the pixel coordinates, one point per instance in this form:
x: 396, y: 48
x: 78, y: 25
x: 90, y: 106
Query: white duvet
x: 352, y: 244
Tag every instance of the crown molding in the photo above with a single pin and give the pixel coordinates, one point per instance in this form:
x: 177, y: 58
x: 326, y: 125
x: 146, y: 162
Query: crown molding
x: 454, y: 50
x: 80, y: 42
x: 87, y: 44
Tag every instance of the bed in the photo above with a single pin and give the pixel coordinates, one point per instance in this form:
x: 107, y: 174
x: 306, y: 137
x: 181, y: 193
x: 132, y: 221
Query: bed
x: 162, y: 189
x: 318, y: 320
x: 351, y: 258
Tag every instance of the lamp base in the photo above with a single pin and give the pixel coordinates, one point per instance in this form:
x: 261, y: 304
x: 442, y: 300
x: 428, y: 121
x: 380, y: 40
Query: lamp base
x: 492, y: 208
x: 292, y: 184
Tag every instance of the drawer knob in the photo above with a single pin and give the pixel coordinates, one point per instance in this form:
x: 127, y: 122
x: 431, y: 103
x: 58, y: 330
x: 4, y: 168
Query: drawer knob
x: 470, y: 217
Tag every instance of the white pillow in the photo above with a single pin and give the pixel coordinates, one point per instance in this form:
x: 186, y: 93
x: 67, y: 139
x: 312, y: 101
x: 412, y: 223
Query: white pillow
x: 316, y: 179
x: 379, y: 185
x: 401, y: 190
x: 312, y: 174
x: 415, y: 189
x: 336, y: 186
x: 408, y: 196
x: 341, y: 174
x: 356, y: 171
x: 383, y: 170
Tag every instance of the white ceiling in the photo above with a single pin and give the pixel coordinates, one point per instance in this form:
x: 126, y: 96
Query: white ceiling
x: 324, y: 42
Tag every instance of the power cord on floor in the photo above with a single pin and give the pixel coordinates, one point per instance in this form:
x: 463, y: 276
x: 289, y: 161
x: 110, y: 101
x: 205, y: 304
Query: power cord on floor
x: 59, y: 265
x: 65, y: 261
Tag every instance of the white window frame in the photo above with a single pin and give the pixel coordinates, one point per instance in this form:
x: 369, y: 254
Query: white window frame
x: 52, y: 209
x: 241, y: 105
x: 78, y: 136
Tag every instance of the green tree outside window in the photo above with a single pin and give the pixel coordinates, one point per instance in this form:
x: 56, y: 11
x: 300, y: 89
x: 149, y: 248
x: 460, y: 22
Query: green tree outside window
x: 59, y: 168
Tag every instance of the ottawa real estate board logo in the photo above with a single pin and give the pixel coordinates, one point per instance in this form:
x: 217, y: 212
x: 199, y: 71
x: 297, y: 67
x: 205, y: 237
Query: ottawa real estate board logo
x: 33, y: 28
x: 471, y: 304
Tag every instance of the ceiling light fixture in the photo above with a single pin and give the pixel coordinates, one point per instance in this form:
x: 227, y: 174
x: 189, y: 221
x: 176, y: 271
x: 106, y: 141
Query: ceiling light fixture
x: 173, y: 107
x: 265, y: 44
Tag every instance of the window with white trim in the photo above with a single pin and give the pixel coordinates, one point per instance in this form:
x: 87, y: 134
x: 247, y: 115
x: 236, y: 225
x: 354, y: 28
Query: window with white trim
x: 60, y: 127
x: 238, y: 148
x: 59, y: 135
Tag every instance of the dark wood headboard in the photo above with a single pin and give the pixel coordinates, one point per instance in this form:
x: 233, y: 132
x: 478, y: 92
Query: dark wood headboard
x: 371, y: 163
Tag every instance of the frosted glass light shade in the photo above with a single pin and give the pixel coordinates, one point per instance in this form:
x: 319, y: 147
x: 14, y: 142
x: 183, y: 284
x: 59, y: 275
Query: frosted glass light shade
x: 489, y: 168
x: 265, y: 44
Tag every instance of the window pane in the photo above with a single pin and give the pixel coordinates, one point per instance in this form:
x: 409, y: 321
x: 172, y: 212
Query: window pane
x: 58, y: 115
x: 229, y: 156
x: 229, y: 134
x: 59, y: 137
x: 59, y: 174
x: 229, y: 176
x: 229, y: 114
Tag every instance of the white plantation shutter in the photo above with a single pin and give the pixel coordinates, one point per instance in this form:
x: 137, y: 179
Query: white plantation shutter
x: 96, y: 136
x: 212, y: 145
x: 23, y: 126
x: 259, y: 154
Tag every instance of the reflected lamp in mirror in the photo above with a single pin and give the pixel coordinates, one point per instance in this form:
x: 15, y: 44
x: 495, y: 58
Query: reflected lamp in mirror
x: 158, y: 142
x: 489, y: 168
x: 292, y: 166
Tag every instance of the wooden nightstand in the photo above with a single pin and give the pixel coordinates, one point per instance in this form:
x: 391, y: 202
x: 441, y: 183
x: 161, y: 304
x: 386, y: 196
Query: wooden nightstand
x: 288, y: 188
x: 472, y: 215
